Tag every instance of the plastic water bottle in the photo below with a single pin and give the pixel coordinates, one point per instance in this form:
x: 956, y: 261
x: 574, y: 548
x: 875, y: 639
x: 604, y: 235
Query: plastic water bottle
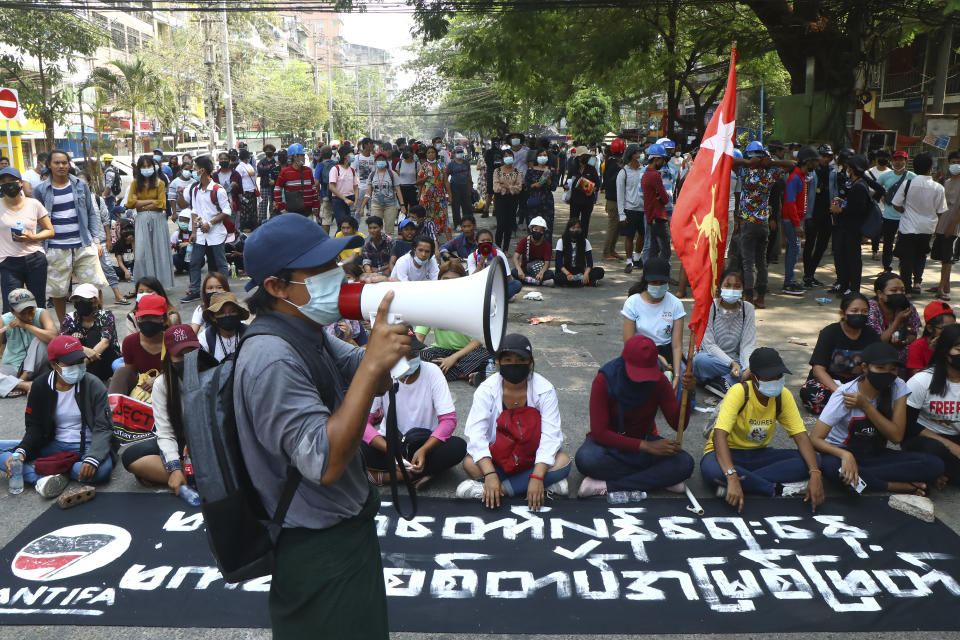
x: 17, y: 229
x: 823, y: 301
x: 189, y: 495
x: 15, y: 483
x: 623, y: 497
x: 491, y: 368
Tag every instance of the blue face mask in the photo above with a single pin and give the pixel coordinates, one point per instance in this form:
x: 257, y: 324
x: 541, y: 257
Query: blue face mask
x: 324, y: 289
x: 413, y: 364
x: 731, y: 295
x: 515, y: 142
x: 657, y: 291
x: 508, y: 160
x: 438, y: 146
x: 381, y: 164
x: 954, y: 169
x: 187, y: 174
x: 185, y: 226
x: 417, y: 261
x: 158, y: 158
x: 771, y: 388
x: 146, y: 172
x: 73, y: 373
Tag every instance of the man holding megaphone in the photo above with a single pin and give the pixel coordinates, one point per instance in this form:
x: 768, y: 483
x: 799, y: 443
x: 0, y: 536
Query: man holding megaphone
x: 329, y: 543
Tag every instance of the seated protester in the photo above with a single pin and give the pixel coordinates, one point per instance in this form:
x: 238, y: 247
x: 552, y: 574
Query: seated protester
x: 67, y: 412
x: 462, y: 245
x: 652, y: 311
x: 458, y: 356
x: 852, y: 432
x: 738, y: 458
x: 418, y: 264
x: 233, y: 249
x: 375, y: 255
x: 624, y: 451
x: 729, y: 339
x: 159, y: 460
x: 893, y: 316
x: 348, y: 227
x: 933, y: 408
x: 425, y: 226
x: 837, y: 357
x: 574, y: 261
x: 26, y: 331
x: 426, y: 419
x: 487, y: 252
x: 123, y: 250
x: 214, y: 282
x: 180, y: 243
x: 146, y: 286
x: 936, y: 315
x: 95, y: 328
x: 225, y: 325
x: 141, y: 350
x: 350, y: 331
x: 532, y: 256
x: 403, y: 244
x: 501, y: 399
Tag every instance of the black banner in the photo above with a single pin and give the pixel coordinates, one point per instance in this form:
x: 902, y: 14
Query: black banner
x: 578, y: 567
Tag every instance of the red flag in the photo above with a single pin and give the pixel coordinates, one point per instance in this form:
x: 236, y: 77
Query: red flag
x: 699, y: 224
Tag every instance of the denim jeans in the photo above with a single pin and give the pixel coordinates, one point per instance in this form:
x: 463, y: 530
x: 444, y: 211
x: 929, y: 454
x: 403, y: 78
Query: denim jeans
x: 28, y: 271
x: 516, y: 485
x: 216, y: 256
x: 632, y: 470
x: 879, y: 468
x: 707, y: 366
x: 341, y: 209
x: 793, y: 251
x: 760, y: 470
x: 753, y: 249
x: 101, y: 475
x: 513, y: 287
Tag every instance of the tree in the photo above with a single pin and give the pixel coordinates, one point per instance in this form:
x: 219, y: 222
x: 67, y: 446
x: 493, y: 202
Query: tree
x: 179, y: 84
x: 48, y: 38
x: 132, y: 86
x: 589, y: 115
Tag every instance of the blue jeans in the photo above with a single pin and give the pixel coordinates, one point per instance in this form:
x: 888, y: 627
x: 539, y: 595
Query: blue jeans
x: 793, y: 251
x: 516, y: 485
x: 760, y: 470
x: 513, y: 287
x: 632, y: 470
x: 341, y: 209
x: 29, y: 272
x: 879, y: 468
x: 216, y: 256
x: 101, y: 475
x: 707, y: 366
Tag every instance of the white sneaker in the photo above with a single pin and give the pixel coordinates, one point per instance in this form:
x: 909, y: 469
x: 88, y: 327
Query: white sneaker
x: 470, y: 489
x: 592, y: 487
x: 791, y: 489
x: 52, y: 486
x: 559, y: 488
x: 721, y: 492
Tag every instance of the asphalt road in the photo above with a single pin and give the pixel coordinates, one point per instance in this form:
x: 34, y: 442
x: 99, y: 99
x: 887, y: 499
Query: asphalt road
x: 570, y: 362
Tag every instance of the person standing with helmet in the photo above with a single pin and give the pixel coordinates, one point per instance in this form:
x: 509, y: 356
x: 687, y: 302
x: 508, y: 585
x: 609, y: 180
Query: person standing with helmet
x: 611, y: 170
x: 794, y: 211
x: 655, y: 200
x: 817, y: 228
x: 294, y: 191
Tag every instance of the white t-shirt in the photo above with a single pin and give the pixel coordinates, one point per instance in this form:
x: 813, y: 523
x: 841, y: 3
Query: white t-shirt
x: 407, y: 172
x: 940, y: 414
x: 573, y: 251
x: 472, y: 261
x: 654, y: 320
x: 420, y: 403
x: 922, y: 206
x: 32, y: 177
x: 364, y: 166
x: 67, y: 418
x: 406, y: 270
x: 205, y: 210
x: 246, y: 180
x: 850, y: 426
x: 222, y: 347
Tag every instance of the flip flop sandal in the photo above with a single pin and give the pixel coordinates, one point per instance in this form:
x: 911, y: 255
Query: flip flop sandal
x: 421, y: 481
x: 918, y: 489
x: 122, y: 302
x: 16, y: 393
x: 378, y: 478
x: 75, y: 496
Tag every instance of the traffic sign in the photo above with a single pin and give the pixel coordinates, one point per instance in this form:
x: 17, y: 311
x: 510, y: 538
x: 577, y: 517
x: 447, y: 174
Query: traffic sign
x: 9, y: 104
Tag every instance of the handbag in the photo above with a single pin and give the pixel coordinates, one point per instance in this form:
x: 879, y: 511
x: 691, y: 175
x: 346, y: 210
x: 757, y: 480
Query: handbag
x: 518, y: 438
x: 139, y: 391
x: 56, y: 463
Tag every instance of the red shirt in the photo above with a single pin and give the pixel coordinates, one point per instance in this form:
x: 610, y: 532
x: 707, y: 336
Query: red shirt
x: 540, y: 251
x: 638, y: 423
x: 655, y: 196
x: 293, y: 180
x: 134, y: 354
x: 919, y: 354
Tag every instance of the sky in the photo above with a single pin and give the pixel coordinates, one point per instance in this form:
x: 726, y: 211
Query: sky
x: 384, y: 31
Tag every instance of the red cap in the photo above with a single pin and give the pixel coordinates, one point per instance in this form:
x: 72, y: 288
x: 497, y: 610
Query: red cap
x: 640, y: 356
x: 179, y: 337
x: 936, y: 308
x: 901, y: 154
x: 66, y: 349
x: 152, y: 305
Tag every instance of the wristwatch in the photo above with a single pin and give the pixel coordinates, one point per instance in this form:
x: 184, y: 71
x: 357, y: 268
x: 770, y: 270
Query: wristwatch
x: 730, y: 472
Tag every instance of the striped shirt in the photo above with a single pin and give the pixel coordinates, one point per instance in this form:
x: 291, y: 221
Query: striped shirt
x: 66, y: 227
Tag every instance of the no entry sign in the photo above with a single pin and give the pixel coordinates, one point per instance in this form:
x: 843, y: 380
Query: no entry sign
x: 9, y: 104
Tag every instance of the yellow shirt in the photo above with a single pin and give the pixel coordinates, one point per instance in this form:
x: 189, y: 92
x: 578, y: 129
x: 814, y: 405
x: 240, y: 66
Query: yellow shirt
x: 754, y: 426
x: 158, y: 193
x: 346, y: 254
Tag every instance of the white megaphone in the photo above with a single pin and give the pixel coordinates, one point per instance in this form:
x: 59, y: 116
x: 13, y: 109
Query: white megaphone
x: 475, y: 306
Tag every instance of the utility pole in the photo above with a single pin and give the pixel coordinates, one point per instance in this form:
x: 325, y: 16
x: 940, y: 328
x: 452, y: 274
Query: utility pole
x: 369, y: 110
x: 942, y: 66
x: 209, y: 106
x: 227, y: 83
x: 316, y: 63
x: 329, y: 93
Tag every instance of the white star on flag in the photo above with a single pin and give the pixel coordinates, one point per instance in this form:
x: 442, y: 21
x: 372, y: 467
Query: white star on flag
x: 721, y: 142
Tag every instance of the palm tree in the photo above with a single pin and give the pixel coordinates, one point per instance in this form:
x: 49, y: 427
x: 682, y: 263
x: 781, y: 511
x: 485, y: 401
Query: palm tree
x: 133, y: 88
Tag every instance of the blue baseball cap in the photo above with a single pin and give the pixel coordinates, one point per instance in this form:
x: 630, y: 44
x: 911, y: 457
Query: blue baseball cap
x: 290, y: 241
x: 11, y: 171
x: 405, y: 222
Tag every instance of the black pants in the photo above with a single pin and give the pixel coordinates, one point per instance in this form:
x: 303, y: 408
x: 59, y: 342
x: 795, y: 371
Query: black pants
x: 660, y: 239
x: 888, y: 234
x: 505, y: 210
x: 596, y: 274
x: 582, y: 211
x: 409, y: 192
x: 446, y: 455
x: 849, y: 259
x: 30, y: 272
x: 461, y: 203
x: 923, y: 444
x: 912, y: 249
x: 817, y: 232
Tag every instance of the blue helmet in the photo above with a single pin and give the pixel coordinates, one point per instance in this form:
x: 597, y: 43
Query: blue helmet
x: 667, y: 143
x: 656, y: 151
x: 737, y: 154
x: 296, y: 149
x: 755, y: 148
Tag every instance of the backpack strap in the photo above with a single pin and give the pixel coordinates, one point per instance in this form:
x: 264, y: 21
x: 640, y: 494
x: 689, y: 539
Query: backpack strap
x: 746, y: 397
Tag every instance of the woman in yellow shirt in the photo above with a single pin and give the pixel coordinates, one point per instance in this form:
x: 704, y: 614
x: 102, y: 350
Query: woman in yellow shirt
x: 349, y: 228
x: 148, y: 195
x: 737, y: 457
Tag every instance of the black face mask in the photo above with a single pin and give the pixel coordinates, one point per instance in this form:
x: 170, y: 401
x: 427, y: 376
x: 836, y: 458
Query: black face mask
x: 224, y: 164
x: 83, y: 307
x: 954, y: 361
x: 575, y: 234
x: 515, y: 372
x: 857, y: 320
x: 127, y: 237
x: 537, y: 235
x: 269, y: 154
x: 229, y: 323
x: 881, y: 381
x: 898, y: 301
x: 10, y: 189
x: 150, y: 328
x: 177, y: 368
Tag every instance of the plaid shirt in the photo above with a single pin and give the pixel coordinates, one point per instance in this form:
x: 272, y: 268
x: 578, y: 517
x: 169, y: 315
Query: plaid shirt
x: 460, y: 246
x: 377, y: 256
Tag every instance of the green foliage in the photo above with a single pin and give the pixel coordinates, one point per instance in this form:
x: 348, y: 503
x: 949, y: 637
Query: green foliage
x: 132, y: 86
x: 282, y: 97
x: 178, y: 83
x: 589, y: 115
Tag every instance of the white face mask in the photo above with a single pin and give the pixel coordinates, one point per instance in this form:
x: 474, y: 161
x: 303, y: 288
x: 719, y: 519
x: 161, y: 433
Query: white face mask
x: 730, y: 296
x: 955, y: 169
x: 324, y: 303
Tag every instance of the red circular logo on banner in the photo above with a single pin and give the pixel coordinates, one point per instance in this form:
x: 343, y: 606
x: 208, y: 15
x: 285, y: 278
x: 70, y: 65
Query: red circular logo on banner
x: 9, y: 106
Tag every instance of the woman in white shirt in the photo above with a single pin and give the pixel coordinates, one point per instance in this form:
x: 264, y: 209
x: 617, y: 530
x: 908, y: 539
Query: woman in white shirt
x: 485, y: 253
x: 418, y: 264
x: 225, y: 325
x: 933, y: 408
x: 515, y: 387
x: 214, y: 282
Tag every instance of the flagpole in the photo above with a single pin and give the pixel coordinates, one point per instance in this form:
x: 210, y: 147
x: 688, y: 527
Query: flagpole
x: 686, y: 392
